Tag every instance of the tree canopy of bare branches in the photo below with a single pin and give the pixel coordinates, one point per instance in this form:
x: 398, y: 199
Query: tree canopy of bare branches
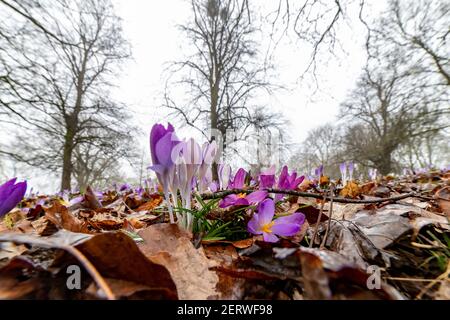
x: 223, y: 75
x: 56, y: 71
x: 402, y: 96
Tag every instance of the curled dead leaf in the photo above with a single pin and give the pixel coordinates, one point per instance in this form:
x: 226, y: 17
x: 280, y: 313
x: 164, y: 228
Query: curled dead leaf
x: 171, y: 247
x: 155, y: 201
x: 60, y: 216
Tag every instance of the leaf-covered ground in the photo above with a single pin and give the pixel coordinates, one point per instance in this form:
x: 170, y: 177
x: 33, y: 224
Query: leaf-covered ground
x: 352, y: 246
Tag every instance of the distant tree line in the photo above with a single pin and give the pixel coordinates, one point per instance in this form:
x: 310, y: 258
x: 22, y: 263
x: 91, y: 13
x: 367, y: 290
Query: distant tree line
x: 398, y: 115
x: 58, y: 60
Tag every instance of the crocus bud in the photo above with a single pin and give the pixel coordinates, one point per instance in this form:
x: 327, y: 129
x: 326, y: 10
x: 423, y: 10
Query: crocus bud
x: 11, y: 193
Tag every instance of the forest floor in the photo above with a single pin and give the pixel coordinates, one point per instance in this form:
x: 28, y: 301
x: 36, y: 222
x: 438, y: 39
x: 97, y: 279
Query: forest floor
x: 384, y: 239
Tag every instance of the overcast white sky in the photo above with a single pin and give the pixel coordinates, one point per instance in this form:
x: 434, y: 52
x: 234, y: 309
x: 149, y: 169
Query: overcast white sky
x: 150, y: 27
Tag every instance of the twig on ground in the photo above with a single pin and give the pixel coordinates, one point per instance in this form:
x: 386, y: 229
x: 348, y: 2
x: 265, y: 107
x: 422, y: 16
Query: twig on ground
x: 330, y: 213
x: 221, y: 194
x: 442, y: 277
x: 317, y: 223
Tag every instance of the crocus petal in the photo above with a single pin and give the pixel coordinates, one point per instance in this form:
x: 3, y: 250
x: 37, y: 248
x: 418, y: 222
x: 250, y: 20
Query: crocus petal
x: 209, y: 152
x: 228, y: 201
x: 256, y: 196
x: 288, y: 225
x: 239, y: 179
x: 266, y: 181
x: 253, y: 225
x: 76, y: 200
x: 12, y: 199
x: 278, y: 196
x: 297, y: 182
x: 5, y: 188
x: 282, y: 179
x: 351, y: 168
x: 266, y: 211
x: 297, y: 218
x: 291, y: 178
x: 192, y: 153
x: 164, y: 148
x: 343, y: 168
x: 157, y: 132
x: 158, y: 168
x: 285, y: 229
x: 225, y: 176
x: 213, y: 186
x: 241, y: 202
x: 269, y: 237
x: 319, y: 171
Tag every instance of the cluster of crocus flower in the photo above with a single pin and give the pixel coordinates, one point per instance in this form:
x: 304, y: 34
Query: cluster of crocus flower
x: 241, y: 199
x: 180, y: 166
x: 162, y: 144
x: 315, y: 176
x: 285, y: 180
x: 11, y: 193
x: 263, y: 222
x: 373, y: 174
x: 346, y: 168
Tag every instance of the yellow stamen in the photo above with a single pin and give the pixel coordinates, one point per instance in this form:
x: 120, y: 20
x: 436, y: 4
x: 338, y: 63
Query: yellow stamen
x: 267, y: 228
x: 241, y: 195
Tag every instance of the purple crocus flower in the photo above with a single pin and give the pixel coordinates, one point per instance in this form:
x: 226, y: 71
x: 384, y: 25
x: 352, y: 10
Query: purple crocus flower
x: 76, y: 200
x: 209, y: 151
x: 351, y: 169
x: 288, y: 181
x: 373, y: 174
x: 11, y: 193
x: 214, y: 186
x: 238, y: 180
x: 343, y: 169
x: 224, y: 173
x: 125, y: 187
x: 263, y: 223
x: 319, y: 171
x: 241, y: 199
x: 188, y: 164
x: 267, y: 178
x: 162, y: 144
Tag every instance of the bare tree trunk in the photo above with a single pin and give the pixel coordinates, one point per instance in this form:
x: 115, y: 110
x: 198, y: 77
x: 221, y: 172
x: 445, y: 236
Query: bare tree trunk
x: 72, y: 126
x: 385, y: 165
x: 67, y: 163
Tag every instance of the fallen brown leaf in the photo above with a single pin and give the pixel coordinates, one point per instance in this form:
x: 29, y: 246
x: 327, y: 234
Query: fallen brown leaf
x: 189, y: 267
x: 62, y: 218
x: 155, y: 201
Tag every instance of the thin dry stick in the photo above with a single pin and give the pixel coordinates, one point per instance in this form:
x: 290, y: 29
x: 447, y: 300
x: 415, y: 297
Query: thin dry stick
x: 411, y: 279
x: 92, y: 271
x: 443, y: 276
x: 329, y: 218
x: 221, y: 194
x: 317, y: 224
